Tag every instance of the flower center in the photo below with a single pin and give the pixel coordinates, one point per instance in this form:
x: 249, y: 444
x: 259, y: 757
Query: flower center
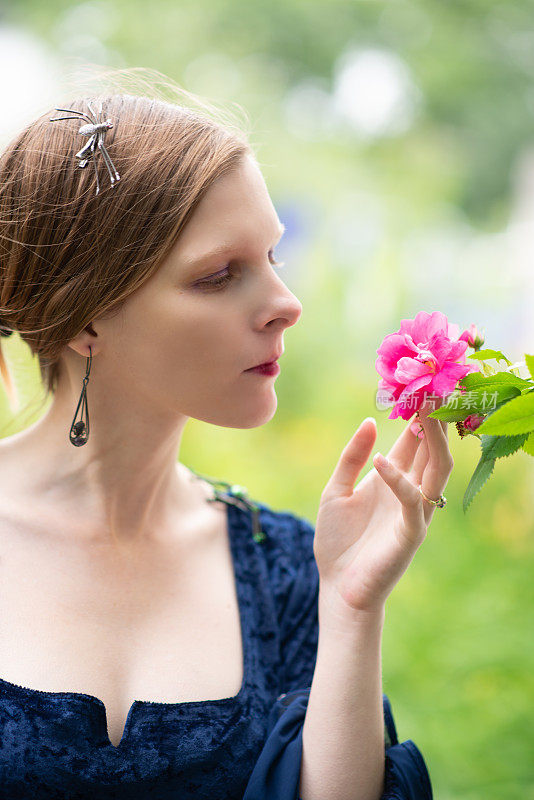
x: 428, y: 358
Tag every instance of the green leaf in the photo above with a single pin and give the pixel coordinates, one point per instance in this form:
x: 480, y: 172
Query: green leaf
x: 475, y: 379
x: 500, y: 446
x: 529, y: 361
x: 483, y: 400
x: 450, y: 414
x: 483, y: 470
x: 515, y: 416
x: 490, y: 396
x: 480, y: 355
x: 528, y: 447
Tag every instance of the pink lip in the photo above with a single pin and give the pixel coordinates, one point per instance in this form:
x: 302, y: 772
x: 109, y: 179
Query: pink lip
x: 267, y: 363
x: 271, y: 368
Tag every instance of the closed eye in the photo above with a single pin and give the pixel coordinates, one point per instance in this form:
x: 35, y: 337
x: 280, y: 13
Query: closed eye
x: 222, y: 278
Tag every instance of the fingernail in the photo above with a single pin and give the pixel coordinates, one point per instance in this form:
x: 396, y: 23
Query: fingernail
x: 366, y: 420
x: 381, y: 460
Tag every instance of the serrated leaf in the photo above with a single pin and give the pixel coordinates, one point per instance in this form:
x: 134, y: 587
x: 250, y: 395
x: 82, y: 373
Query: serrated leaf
x: 450, y: 414
x: 528, y: 447
x: 483, y: 400
x: 529, y: 361
x: 490, y: 396
x: 475, y: 379
x: 480, y: 355
x: 515, y: 416
x: 483, y: 470
x: 471, y: 380
x: 501, y: 446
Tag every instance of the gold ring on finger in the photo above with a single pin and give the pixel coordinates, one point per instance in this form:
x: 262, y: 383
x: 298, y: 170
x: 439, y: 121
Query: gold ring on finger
x: 441, y: 502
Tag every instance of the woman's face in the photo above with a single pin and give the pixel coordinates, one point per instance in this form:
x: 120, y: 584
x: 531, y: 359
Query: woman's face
x: 187, y: 337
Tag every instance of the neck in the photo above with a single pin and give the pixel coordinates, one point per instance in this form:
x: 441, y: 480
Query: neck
x: 125, y: 483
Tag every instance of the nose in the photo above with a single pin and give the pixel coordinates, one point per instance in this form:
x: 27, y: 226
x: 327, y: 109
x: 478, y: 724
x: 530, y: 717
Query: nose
x: 297, y: 310
x: 285, y: 306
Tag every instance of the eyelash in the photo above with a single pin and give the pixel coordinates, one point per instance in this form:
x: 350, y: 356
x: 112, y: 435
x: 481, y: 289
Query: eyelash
x: 223, y: 280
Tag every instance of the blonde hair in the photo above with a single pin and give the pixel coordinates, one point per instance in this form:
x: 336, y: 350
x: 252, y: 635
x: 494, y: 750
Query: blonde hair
x: 69, y: 256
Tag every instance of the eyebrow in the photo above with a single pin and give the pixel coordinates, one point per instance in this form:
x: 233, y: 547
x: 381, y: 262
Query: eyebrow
x: 221, y: 250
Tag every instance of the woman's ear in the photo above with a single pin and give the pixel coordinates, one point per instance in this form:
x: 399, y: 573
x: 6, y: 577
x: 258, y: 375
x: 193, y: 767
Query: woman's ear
x: 85, y: 339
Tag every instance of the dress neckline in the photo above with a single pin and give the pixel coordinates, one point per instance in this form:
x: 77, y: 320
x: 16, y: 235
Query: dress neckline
x: 236, y: 518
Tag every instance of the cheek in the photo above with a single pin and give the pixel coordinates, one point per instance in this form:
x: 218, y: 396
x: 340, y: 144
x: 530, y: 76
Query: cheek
x: 189, y: 340
x: 206, y: 335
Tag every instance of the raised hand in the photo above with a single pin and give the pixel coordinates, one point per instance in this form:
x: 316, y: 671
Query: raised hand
x: 366, y: 537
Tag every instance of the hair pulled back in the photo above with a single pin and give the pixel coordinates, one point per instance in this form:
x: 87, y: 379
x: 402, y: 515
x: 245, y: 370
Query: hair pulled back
x: 69, y: 256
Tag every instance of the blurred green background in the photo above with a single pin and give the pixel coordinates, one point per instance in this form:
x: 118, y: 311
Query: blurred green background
x: 396, y: 139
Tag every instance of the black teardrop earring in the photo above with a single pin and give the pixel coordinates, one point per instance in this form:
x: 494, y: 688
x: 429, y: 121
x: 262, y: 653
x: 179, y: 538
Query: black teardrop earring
x: 79, y: 431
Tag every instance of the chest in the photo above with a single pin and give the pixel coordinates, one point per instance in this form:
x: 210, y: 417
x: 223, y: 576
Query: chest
x: 160, y: 623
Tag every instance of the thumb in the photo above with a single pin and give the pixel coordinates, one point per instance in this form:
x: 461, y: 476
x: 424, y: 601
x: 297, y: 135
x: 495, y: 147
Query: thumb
x: 353, y: 458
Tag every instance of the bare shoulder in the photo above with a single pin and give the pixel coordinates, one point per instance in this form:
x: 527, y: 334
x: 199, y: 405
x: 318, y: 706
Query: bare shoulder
x: 12, y: 469
x: 25, y: 512
x: 15, y: 458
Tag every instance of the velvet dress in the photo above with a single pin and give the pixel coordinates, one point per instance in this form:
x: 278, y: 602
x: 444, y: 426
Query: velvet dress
x: 244, y: 747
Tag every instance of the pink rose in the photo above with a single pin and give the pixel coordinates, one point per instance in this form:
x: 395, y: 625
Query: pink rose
x: 473, y: 337
x: 473, y: 421
x: 425, y: 357
x: 470, y: 423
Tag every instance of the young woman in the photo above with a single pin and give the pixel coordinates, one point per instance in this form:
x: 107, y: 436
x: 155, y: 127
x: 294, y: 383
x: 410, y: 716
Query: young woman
x: 161, y: 635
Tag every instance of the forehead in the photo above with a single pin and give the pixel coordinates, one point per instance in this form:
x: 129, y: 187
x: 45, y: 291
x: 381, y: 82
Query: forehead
x: 230, y: 244
x: 236, y: 209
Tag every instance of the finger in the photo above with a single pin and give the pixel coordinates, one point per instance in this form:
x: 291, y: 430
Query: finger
x: 444, y: 426
x: 432, y: 405
x: 353, y: 458
x: 438, y: 443
x: 403, y: 451
x: 435, y: 475
x: 410, y: 498
x: 420, y: 462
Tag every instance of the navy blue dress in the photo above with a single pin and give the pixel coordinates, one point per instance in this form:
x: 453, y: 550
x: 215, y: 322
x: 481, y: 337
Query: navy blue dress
x: 245, y: 747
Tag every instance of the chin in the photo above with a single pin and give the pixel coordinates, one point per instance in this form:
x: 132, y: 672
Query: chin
x: 257, y: 423
x: 252, y: 415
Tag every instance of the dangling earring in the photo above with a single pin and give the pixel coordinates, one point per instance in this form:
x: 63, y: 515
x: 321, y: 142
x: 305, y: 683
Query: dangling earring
x: 79, y: 431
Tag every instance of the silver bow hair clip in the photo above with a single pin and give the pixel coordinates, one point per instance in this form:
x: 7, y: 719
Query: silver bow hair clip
x: 96, y: 131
